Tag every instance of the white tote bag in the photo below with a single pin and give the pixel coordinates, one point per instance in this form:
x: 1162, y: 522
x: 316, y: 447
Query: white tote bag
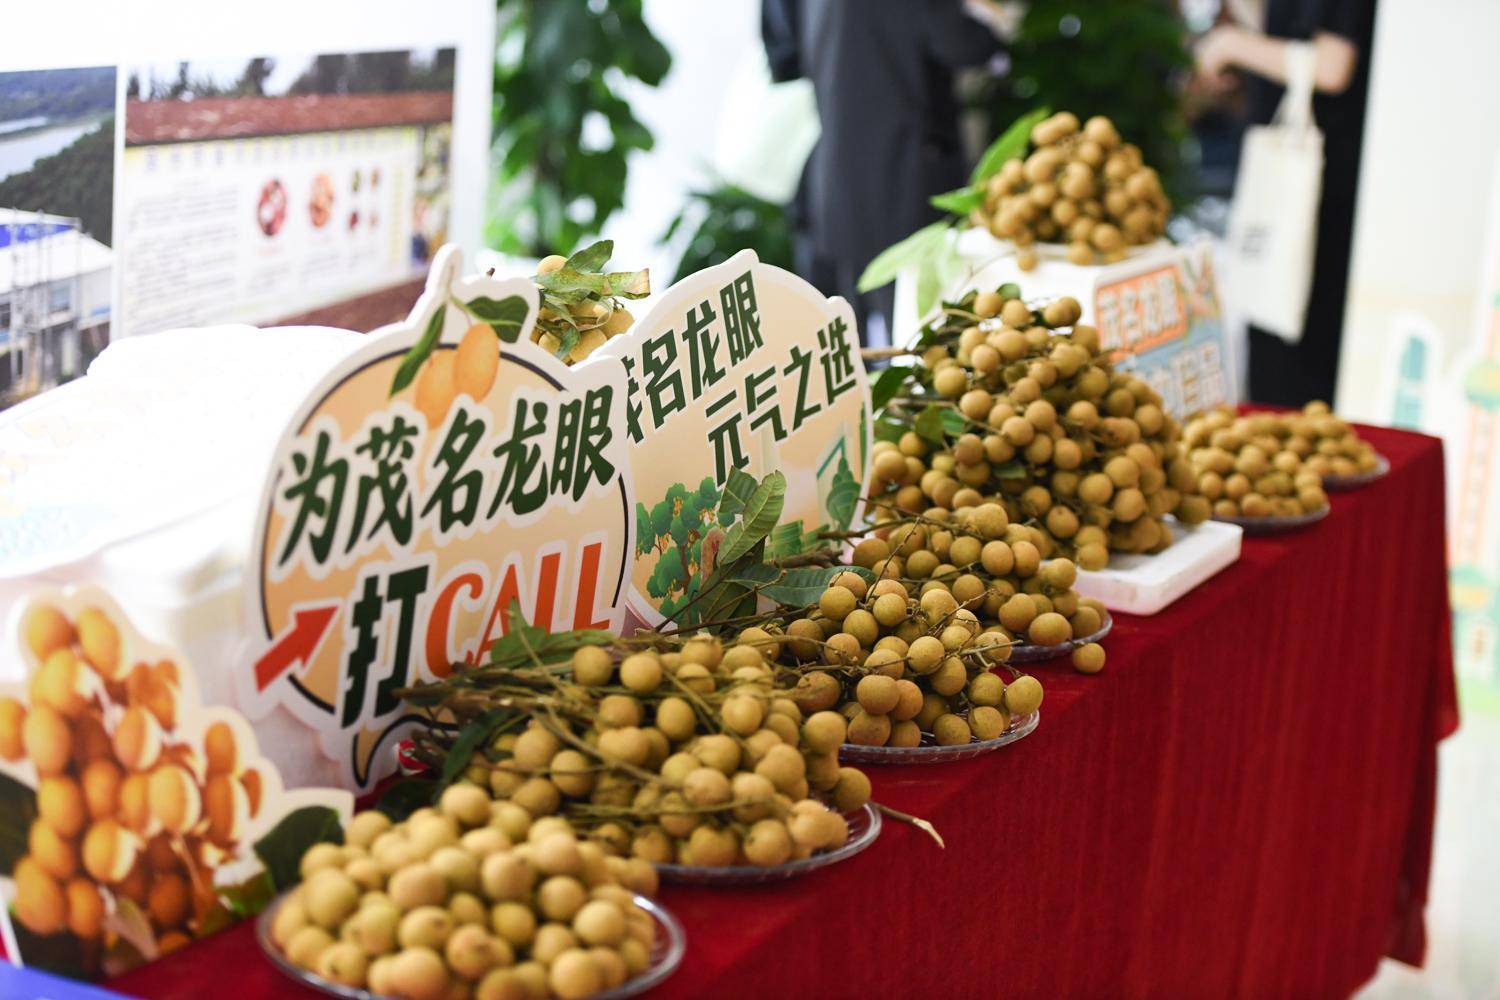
x: 1273, y: 226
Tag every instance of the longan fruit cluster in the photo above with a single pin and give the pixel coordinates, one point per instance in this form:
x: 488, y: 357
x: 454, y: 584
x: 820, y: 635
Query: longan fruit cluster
x: 904, y: 663
x: 474, y: 898
x: 129, y: 807
x: 977, y: 561
x: 693, y: 756
x: 1080, y: 185
x: 1337, y: 452
x: 597, y: 320
x: 1085, y: 454
x: 469, y: 368
x: 1252, y: 466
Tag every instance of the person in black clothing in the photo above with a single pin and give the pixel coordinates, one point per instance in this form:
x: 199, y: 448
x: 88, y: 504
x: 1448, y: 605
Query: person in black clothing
x: 1341, y: 32
x: 882, y: 75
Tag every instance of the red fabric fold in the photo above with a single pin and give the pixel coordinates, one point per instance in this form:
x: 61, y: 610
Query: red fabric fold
x: 1241, y: 804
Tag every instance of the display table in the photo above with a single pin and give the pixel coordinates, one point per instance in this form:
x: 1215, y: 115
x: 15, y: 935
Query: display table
x: 1240, y: 805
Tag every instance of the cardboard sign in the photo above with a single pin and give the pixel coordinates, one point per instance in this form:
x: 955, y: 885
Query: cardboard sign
x: 134, y: 818
x: 445, y: 469
x: 739, y: 366
x: 1157, y: 312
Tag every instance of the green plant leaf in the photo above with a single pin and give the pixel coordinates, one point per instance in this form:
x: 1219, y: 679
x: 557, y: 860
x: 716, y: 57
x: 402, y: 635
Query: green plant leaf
x: 505, y: 317
x: 248, y: 897
x: 762, y: 511
x: 889, y: 430
x: 797, y: 587
x: 1008, y: 145
x: 625, y: 284
x: 419, y: 351
x: 738, y: 489
x: 406, y: 796
x: 475, y: 733
x: 1009, y: 290
x: 525, y: 644
x: 899, y: 256
x: 843, y: 495
x: 592, y: 258
x: 18, y: 805
x: 960, y: 201
x: 282, y: 848
x: 784, y: 540
x: 954, y: 423
x: 887, y: 383
x: 931, y: 425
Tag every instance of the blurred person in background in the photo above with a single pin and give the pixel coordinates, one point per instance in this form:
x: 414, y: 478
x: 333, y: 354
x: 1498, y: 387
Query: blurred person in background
x: 1249, y: 47
x: 883, y: 78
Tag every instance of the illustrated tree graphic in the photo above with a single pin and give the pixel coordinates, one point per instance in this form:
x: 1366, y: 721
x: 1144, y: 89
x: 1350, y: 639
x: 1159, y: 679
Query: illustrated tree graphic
x: 675, y: 529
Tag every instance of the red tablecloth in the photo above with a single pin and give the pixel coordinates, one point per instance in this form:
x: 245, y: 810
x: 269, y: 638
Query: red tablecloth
x: 1240, y: 805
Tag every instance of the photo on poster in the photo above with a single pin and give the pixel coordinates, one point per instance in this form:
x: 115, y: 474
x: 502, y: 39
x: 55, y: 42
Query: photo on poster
x: 57, y: 168
x: 284, y: 188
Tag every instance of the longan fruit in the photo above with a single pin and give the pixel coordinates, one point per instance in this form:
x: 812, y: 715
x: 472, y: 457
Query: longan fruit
x: 950, y: 730
x: 109, y: 851
x: 1089, y: 658
x: 47, y: 739
x: 987, y: 722
x: 418, y: 973
x: 592, y: 666
x: 1023, y: 695
x: 100, y: 641
x: 85, y: 908
x: 877, y: 694
x: 168, y: 901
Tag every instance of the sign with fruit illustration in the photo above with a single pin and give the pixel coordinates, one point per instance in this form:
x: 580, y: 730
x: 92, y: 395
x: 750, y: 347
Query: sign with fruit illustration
x: 133, y: 819
x: 741, y: 366
x: 435, y: 476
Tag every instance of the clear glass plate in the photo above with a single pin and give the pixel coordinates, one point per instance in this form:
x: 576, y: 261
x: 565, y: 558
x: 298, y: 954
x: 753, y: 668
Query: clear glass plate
x: 864, y: 827
x: 1032, y: 653
x: 1275, y: 525
x: 929, y: 752
x: 666, y: 956
x: 1338, y: 483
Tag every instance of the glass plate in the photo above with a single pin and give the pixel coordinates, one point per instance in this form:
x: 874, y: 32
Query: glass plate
x: 1031, y: 653
x: 1337, y: 483
x: 666, y: 956
x: 1275, y: 525
x: 930, y: 753
x: 864, y: 827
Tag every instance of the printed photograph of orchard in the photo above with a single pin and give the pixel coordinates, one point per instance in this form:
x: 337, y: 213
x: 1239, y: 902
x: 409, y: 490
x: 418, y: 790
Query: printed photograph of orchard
x: 57, y: 169
x: 133, y: 819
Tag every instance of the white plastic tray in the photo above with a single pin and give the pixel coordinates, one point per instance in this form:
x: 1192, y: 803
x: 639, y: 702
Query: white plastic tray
x: 1143, y: 585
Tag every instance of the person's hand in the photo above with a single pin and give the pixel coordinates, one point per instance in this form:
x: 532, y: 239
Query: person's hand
x: 1216, y: 55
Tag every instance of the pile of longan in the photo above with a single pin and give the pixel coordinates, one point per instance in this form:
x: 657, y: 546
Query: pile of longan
x: 1252, y: 466
x: 1081, y: 185
x: 598, y: 320
x: 1337, y: 451
x: 905, y: 661
x: 1084, y: 454
x: 129, y: 808
x: 474, y: 897
x: 690, y: 756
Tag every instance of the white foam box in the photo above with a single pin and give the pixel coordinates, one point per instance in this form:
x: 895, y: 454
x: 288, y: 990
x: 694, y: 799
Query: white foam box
x: 142, y: 477
x: 1143, y: 585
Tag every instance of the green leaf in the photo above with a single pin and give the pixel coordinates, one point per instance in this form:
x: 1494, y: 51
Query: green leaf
x: 887, y: 383
x: 797, y: 588
x: 898, y: 257
x: 281, y: 850
x: 954, y: 423
x: 505, y: 317
x: 738, y: 489
x: 960, y: 201
x: 406, y: 796
x: 18, y: 805
x: 626, y: 284
x: 762, y: 511
x: 843, y: 495
x: 1010, y: 470
x: 931, y: 425
x: 524, y: 644
x: 1008, y: 145
x: 785, y: 540
x: 1009, y: 290
x: 889, y: 430
x: 419, y: 351
x: 475, y: 733
x: 248, y: 897
x: 592, y: 258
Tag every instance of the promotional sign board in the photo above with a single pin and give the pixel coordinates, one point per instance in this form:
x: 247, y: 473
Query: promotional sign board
x: 740, y: 366
x: 133, y: 817
x: 1157, y: 311
x: 444, y: 470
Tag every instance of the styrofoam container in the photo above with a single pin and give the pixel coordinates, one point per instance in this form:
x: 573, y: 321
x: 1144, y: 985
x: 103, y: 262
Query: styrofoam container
x: 142, y: 477
x: 1144, y: 584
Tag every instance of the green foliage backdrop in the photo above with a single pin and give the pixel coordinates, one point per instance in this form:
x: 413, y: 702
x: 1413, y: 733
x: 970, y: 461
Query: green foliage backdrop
x: 563, y: 127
